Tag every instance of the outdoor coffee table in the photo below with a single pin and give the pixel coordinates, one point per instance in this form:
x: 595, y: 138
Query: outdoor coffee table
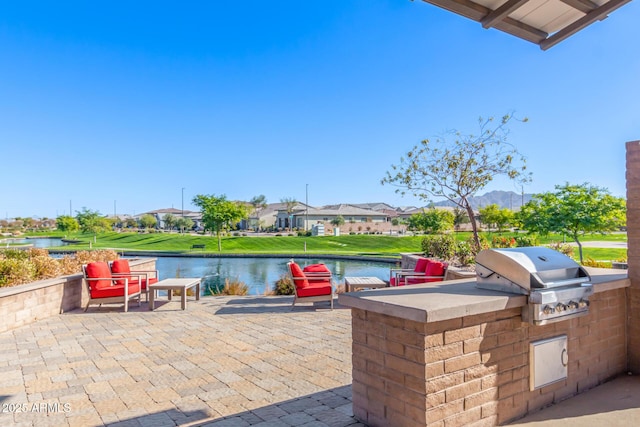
x: 171, y: 285
x: 352, y: 283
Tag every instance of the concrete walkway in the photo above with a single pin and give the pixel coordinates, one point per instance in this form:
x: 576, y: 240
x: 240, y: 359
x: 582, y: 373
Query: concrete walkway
x: 225, y: 361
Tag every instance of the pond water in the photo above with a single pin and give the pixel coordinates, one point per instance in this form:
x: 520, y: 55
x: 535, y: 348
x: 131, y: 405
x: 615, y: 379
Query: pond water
x: 44, y: 242
x: 260, y: 274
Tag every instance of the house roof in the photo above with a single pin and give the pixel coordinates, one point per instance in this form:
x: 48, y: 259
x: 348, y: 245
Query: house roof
x: 344, y: 210
x: 544, y: 22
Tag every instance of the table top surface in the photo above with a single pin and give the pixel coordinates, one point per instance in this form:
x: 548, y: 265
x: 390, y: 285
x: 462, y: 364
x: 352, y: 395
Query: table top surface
x: 365, y: 280
x: 177, y: 282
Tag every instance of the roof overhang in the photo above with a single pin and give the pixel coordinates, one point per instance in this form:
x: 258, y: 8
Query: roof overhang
x: 543, y: 22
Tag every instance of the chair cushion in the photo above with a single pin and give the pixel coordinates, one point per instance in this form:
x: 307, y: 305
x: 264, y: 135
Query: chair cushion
x: 421, y: 265
x: 435, y: 268
x: 316, y: 268
x: 114, y: 291
x: 120, y: 266
x: 296, y: 271
x: 315, y: 289
x: 98, y: 269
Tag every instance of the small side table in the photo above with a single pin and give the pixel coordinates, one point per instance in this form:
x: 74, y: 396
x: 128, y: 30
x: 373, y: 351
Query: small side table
x: 352, y: 283
x: 171, y: 285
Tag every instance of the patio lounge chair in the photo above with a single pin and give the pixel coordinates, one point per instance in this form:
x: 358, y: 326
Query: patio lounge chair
x: 310, y: 285
x: 121, y: 269
x: 103, y: 288
x: 426, y: 270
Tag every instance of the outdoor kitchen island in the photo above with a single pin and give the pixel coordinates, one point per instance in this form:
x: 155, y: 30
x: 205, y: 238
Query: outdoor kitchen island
x: 450, y: 354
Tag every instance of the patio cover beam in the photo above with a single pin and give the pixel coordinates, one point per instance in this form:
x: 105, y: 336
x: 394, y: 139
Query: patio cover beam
x: 595, y: 15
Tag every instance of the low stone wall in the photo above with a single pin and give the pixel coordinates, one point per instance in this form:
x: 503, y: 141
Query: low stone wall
x: 24, y: 304
x: 475, y: 369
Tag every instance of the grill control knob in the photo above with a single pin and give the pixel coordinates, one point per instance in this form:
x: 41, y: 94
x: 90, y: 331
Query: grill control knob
x: 583, y: 303
x: 560, y: 307
x: 547, y: 310
x: 572, y: 305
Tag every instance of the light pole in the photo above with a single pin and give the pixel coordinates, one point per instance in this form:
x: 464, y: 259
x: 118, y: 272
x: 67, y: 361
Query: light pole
x: 182, y: 202
x: 306, y: 207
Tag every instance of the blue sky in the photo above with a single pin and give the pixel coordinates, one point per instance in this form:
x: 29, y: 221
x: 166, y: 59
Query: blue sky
x: 126, y: 103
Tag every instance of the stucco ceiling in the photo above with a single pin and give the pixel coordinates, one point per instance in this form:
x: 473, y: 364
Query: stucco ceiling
x: 543, y: 22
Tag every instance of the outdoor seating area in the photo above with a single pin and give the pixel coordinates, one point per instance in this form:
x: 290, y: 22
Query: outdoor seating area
x: 313, y: 283
x: 105, y: 288
x: 426, y: 270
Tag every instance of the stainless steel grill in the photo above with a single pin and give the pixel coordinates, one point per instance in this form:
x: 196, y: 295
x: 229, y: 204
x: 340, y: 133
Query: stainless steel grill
x: 557, y: 286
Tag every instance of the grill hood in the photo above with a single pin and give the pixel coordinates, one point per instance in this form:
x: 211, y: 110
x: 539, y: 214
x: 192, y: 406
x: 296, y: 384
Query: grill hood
x: 522, y: 270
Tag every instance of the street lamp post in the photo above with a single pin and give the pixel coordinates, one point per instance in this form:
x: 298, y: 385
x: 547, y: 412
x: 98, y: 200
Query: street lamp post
x: 182, y: 202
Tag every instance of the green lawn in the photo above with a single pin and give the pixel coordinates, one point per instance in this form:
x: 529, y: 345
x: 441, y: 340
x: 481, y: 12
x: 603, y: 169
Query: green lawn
x: 368, y: 245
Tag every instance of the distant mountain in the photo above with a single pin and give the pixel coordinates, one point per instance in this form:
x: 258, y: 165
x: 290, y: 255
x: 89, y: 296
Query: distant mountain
x: 504, y: 199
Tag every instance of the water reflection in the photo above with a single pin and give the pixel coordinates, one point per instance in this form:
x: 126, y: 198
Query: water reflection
x: 260, y: 274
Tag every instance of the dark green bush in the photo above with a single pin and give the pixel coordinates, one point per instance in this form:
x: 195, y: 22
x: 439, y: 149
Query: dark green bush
x: 284, y: 285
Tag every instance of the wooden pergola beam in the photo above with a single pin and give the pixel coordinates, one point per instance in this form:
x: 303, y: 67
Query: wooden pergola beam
x: 584, y: 6
x: 501, y: 12
x: 595, y: 15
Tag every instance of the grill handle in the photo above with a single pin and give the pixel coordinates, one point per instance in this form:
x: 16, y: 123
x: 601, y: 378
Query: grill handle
x: 566, y: 282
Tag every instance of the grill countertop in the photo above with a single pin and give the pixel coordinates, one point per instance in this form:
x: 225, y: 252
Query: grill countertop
x: 440, y: 301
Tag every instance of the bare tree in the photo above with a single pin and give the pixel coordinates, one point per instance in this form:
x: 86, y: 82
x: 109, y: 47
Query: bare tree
x: 457, y: 166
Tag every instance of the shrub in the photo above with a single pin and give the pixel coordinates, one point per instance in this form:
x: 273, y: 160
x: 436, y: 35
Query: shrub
x: 16, y: 271
x: 526, y: 240
x: 442, y: 246
x: 24, y: 266
x: 234, y: 287
x: 503, y: 242
x: 590, y: 262
x: 284, y: 285
x: 564, y: 248
x: 465, y: 253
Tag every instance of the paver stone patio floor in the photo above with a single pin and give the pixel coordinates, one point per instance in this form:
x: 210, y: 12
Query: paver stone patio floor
x: 225, y: 361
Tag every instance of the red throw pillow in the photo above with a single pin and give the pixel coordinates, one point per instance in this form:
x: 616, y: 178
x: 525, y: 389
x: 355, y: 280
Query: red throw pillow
x: 421, y: 265
x: 316, y: 268
x: 98, y: 269
x: 435, y: 268
x: 120, y: 266
x: 296, y: 271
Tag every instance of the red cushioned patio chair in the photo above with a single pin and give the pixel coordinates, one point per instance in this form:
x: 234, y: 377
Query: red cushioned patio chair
x: 436, y: 271
x: 397, y: 276
x: 103, y: 288
x: 314, y: 284
x: 121, y: 269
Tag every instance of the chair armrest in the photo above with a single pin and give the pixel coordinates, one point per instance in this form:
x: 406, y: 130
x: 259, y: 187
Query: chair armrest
x: 146, y: 271
x: 112, y: 279
x: 317, y: 274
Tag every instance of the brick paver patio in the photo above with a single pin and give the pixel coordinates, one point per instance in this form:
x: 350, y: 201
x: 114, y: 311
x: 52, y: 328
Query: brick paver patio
x: 225, y: 361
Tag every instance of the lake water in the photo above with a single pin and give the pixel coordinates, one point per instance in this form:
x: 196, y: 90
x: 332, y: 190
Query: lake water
x: 260, y: 274
x: 45, y: 242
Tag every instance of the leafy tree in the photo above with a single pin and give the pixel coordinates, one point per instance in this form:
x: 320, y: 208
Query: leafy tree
x: 458, y: 166
x: 67, y: 223
x: 258, y: 203
x: 499, y: 218
x: 131, y: 223
x: 337, y: 221
x: 169, y: 221
x: 219, y: 214
x: 432, y: 221
x: 574, y: 210
x: 184, y: 224
x: 148, y: 221
x: 459, y: 217
x: 92, y: 221
x: 290, y: 203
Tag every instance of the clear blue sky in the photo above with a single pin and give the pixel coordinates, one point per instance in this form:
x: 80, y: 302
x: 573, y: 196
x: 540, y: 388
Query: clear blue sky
x: 129, y: 102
